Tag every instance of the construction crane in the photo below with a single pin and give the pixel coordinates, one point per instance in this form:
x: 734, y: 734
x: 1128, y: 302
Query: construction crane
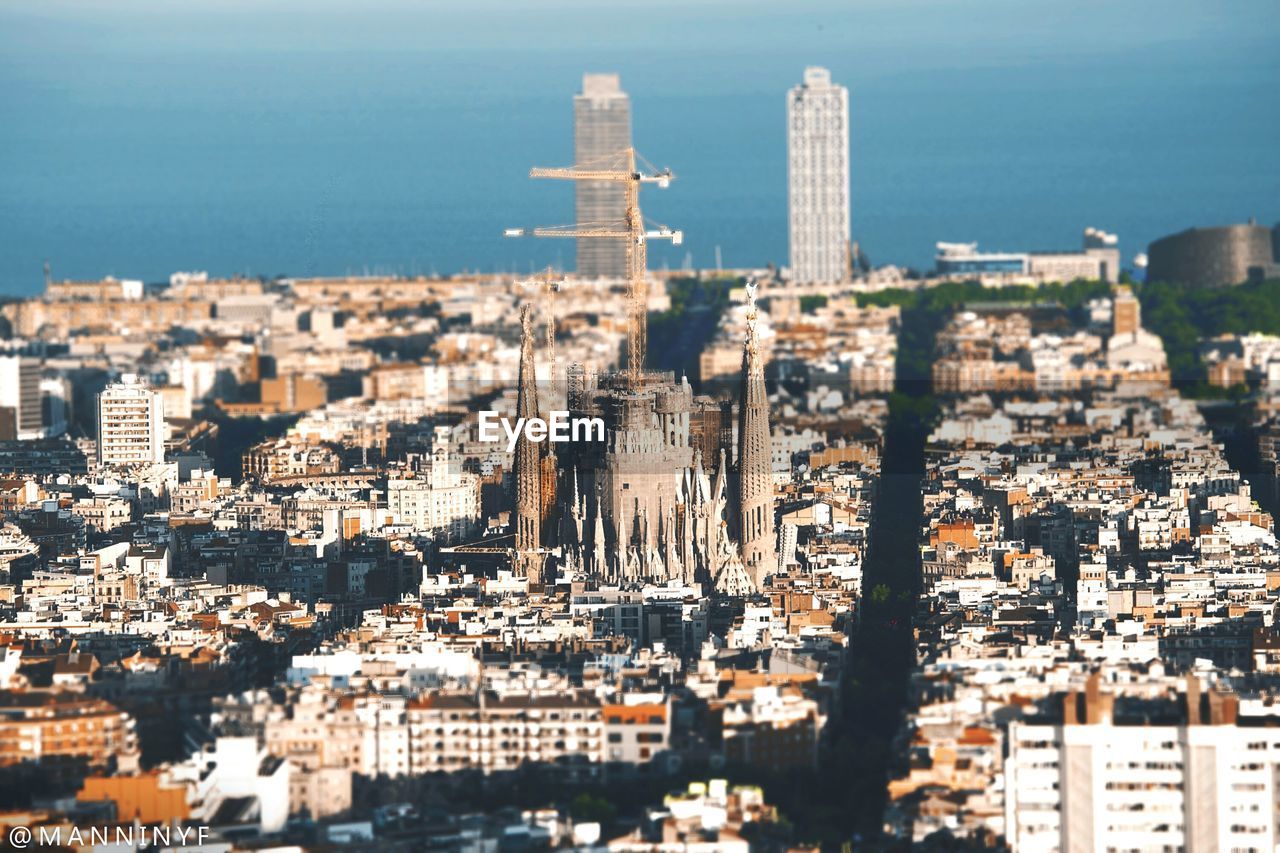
x: 548, y: 285
x: 621, y: 168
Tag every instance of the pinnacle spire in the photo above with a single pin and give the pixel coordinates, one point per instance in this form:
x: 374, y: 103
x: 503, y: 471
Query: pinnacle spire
x: 755, y: 480
x: 527, y: 471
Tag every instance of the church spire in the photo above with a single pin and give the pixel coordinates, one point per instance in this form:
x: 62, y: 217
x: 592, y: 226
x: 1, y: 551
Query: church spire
x: 528, y: 463
x: 755, y: 481
x: 599, y: 565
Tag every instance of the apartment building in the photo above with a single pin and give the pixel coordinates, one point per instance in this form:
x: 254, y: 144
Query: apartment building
x: 500, y: 732
x: 1123, y: 773
x: 41, y: 726
x: 102, y: 515
x: 130, y: 423
x: 396, y: 735
x: 776, y: 726
x: 637, y: 733
x: 444, y: 500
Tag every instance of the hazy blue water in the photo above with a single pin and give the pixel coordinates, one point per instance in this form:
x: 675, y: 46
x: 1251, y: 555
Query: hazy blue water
x: 278, y: 137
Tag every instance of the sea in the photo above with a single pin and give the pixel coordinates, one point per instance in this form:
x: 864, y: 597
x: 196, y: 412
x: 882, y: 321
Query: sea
x: 143, y: 137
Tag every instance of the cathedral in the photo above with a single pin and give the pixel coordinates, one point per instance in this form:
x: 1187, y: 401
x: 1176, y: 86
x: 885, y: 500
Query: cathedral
x: 660, y: 498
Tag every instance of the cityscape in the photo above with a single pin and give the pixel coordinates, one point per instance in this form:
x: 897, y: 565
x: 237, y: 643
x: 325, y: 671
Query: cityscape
x: 604, y: 540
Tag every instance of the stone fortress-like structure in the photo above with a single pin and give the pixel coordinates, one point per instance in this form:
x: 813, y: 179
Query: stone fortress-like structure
x: 663, y: 497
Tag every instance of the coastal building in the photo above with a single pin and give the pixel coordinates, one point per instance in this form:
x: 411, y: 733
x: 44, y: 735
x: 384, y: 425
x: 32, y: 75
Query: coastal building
x: 106, y: 289
x: 1219, y: 256
x: 964, y: 260
x: 1097, y: 260
x: 601, y: 132
x: 57, y: 316
x: 818, y: 178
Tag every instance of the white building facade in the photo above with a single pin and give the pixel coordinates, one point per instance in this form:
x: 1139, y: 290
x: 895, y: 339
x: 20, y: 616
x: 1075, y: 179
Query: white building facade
x: 130, y: 423
x: 818, y: 178
x: 445, y: 501
x: 1209, y: 785
x: 20, y: 397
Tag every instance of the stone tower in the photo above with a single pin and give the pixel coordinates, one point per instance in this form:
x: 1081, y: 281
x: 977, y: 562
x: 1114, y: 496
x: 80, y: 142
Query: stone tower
x: 528, y: 461
x: 1126, y: 313
x: 755, y: 480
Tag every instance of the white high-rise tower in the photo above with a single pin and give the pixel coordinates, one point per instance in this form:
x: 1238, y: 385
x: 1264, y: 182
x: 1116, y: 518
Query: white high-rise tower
x: 130, y: 423
x: 818, y: 178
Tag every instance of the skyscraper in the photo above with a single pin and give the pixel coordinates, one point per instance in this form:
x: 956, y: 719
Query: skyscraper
x: 818, y: 178
x: 601, y: 129
x: 130, y: 423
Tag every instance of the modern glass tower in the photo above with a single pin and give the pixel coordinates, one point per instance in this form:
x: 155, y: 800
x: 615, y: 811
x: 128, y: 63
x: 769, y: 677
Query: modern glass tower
x: 818, y: 178
x: 601, y: 131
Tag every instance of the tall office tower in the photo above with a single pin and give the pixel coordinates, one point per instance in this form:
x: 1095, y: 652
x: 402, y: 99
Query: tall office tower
x: 21, y: 415
x: 601, y: 129
x: 818, y: 178
x: 755, y: 479
x: 130, y: 423
x: 528, y: 464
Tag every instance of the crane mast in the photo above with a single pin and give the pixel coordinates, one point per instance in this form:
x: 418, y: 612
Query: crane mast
x: 631, y: 229
x: 547, y: 285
